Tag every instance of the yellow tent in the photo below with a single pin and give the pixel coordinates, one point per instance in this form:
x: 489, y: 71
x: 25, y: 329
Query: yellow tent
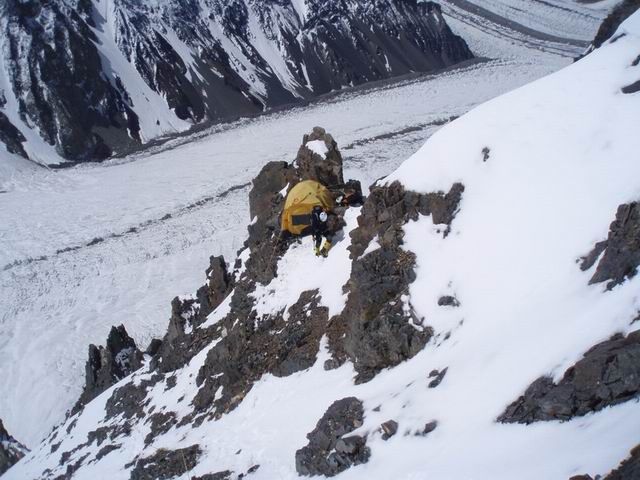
x: 300, y: 201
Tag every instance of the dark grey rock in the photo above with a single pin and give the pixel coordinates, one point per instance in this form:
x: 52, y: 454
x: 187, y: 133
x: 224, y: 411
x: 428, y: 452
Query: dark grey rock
x: 128, y: 399
x: 177, y: 347
x: 622, y: 249
x: 108, y: 365
x: 249, y: 472
x: 106, y: 450
x: 428, y: 428
x: 448, y: 301
x: 437, y: 377
x: 590, y: 259
x: 629, y: 469
x: 154, y: 347
x: 225, y: 475
x: 311, y: 166
x: 631, y: 88
x: 389, y: 429
x: 619, y: 14
x: 376, y: 330
x: 11, y: 451
x: 11, y: 137
x: 166, y: 464
x: 608, y: 374
x: 160, y: 422
x: 247, y: 352
x: 330, y: 451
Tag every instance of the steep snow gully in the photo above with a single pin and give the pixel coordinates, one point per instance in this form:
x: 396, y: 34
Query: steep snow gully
x: 486, y: 328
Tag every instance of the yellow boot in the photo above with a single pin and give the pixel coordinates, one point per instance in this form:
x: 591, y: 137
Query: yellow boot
x: 325, y: 248
x: 316, y: 250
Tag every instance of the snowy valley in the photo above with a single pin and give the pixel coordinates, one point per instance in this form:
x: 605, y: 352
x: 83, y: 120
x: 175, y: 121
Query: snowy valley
x: 475, y: 318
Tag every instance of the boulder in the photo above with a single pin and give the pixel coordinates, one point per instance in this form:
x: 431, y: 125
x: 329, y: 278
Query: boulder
x: 330, y: 450
x: 389, y: 429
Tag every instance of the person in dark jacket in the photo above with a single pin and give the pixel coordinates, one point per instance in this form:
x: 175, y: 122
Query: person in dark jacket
x: 320, y: 230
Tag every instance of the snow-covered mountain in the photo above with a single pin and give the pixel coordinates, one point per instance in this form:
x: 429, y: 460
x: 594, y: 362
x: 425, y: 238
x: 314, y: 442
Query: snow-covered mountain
x: 82, y: 79
x: 477, y: 318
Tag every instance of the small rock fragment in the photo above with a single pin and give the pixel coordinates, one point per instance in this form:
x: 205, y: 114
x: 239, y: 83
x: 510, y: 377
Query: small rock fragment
x: 389, y: 429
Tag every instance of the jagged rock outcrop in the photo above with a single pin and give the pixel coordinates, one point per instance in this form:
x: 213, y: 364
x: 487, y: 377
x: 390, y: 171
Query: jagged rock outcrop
x: 166, y: 464
x: 608, y: 374
x: 11, y: 451
x: 621, y: 249
x: 610, y: 25
x: 187, y: 313
x: 331, y: 450
x: 378, y: 327
x: 108, y: 365
x: 97, y: 78
x: 629, y: 469
x: 319, y: 159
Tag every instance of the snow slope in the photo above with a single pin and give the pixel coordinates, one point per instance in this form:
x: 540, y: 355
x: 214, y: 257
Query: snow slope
x: 54, y: 304
x: 558, y: 168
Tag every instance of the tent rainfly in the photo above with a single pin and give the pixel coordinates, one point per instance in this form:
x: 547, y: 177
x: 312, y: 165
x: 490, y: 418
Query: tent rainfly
x: 296, y: 216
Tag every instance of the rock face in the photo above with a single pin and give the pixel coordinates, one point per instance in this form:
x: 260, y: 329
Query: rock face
x: 11, y: 137
x: 56, y: 73
x: 327, y: 171
x: 378, y: 328
x: 629, y: 469
x: 10, y: 450
x: 619, y: 14
x: 330, y: 451
x: 190, y: 312
x: 621, y: 249
x: 97, y: 78
x: 108, y: 365
x: 608, y: 374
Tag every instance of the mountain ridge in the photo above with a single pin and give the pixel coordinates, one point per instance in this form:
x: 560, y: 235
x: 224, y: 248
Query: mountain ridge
x: 86, y: 79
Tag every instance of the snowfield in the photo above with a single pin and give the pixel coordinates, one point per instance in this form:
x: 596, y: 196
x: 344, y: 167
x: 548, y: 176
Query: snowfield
x: 86, y: 248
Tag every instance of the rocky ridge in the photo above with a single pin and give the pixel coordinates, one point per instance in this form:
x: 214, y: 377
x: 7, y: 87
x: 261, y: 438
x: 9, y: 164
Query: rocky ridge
x: 95, y: 77
x: 11, y: 451
x: 222, y: 326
